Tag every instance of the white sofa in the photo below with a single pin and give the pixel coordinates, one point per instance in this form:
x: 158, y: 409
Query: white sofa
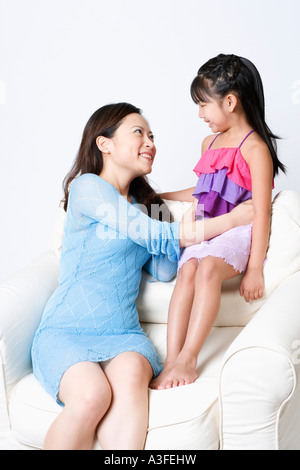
x: 247, y: 395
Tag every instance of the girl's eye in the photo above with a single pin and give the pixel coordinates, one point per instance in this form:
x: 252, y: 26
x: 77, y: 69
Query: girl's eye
x: 151, y: 137
x: 138, y: 130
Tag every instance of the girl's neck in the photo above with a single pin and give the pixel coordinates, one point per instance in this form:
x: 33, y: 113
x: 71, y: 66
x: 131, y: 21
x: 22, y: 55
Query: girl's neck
x: 235, y: 133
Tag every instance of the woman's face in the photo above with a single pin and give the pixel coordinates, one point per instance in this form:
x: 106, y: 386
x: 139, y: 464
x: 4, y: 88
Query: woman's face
x: 132, y: 147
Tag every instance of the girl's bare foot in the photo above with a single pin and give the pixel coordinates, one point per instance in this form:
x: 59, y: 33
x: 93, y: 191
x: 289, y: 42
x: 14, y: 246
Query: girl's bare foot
x: 157, y: 383
x: 181, y: 373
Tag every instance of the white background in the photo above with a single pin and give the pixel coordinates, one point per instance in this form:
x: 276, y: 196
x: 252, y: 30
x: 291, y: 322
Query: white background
x: 60, y: 60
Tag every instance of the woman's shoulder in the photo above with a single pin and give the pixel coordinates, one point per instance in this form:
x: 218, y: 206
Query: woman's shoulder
x: 90, y: 180
x: 90, y: 185
x: 86, y: 177
x: 90, y: 194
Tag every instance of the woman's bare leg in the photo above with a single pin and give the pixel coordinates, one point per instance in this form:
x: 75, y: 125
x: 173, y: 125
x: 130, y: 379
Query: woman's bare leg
x: 86, y: 394
x: 125, y: 424
x: 211, y: 272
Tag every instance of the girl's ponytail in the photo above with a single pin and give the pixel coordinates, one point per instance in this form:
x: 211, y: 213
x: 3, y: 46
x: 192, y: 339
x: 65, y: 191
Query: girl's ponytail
x: 251, y: 94
x: 230, y: 73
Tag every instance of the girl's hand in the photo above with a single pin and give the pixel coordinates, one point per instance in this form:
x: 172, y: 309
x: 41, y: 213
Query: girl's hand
x: 252, y: 285
x: 243, y: 214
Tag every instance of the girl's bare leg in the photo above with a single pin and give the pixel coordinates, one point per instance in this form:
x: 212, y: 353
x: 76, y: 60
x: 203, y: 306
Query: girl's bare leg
x: 178, y: 317
x: 125, y: 424
x: 210, y: 274
x: 86, y: 394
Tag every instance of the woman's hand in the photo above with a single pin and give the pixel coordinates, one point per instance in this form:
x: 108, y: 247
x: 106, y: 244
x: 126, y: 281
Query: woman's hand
x: 189, y: 215
x: 243, y: 214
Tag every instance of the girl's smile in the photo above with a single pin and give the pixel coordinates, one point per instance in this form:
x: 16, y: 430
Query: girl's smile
x: 212, y: 114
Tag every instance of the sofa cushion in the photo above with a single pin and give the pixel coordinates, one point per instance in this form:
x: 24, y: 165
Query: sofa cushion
x: 154, y: 298
x: 283, y: 257
x: 192, y: 425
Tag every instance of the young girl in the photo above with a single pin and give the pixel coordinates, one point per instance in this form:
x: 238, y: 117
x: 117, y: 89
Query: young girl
x: 237, y: 164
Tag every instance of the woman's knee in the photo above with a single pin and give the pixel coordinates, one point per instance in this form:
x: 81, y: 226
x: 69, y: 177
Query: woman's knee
x: 142, y: 372
x: 89, y: 395
x: 130, y: 371
x: 96, y: 399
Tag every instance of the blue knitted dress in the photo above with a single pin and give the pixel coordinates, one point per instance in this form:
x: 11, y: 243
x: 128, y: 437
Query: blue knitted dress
x: 92, y: 315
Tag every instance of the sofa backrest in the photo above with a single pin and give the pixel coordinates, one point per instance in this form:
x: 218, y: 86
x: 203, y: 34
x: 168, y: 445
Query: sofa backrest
x: 283, y: 259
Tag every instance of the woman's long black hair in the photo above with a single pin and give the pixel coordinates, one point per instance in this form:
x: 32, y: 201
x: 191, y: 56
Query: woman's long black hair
x: 105, y: 122
x: 229, y: 73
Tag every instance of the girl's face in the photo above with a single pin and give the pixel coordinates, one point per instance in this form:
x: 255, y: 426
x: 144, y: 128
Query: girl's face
x: 214, y: 114
x: 132, y: 147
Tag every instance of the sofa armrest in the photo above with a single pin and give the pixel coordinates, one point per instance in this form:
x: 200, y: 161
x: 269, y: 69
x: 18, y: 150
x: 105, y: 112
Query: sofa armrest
x: 259, y: 387
x: 22, y: 300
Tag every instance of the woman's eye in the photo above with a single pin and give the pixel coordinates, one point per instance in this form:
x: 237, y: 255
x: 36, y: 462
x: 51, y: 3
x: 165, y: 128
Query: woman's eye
x: 139, y: 131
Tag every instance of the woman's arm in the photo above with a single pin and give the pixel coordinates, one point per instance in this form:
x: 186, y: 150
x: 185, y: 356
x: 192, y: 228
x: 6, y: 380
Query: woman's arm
x: 261, y: 168
x: 184, y: 195
x: 161, y: 268
x: 92, y: 197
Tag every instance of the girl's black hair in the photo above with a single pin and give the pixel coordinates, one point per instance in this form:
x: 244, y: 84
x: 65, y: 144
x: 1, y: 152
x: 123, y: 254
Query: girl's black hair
x: 229, y: 73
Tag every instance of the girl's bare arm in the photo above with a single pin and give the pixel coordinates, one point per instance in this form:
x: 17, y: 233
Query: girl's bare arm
x: 193, y: 232
x: 261, y: 168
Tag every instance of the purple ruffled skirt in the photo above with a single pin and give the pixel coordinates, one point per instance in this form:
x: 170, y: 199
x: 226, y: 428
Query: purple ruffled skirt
x: 232, y: 246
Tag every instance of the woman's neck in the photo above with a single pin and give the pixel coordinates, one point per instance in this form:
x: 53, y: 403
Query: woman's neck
x: 119, y: 181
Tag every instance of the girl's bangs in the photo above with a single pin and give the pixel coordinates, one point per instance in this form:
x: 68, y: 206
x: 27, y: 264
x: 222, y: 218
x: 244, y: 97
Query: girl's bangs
x: 201, y: 90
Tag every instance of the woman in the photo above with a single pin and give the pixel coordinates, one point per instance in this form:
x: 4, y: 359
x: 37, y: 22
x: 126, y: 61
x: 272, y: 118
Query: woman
x: 90, y: 352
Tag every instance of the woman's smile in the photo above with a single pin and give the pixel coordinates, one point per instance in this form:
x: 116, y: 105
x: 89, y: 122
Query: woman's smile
x: 147, y: 156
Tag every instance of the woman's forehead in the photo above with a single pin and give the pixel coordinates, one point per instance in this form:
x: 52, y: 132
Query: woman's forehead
x: 135, y: 119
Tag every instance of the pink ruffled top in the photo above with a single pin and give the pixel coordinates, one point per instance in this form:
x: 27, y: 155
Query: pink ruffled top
x: 224, y: 180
